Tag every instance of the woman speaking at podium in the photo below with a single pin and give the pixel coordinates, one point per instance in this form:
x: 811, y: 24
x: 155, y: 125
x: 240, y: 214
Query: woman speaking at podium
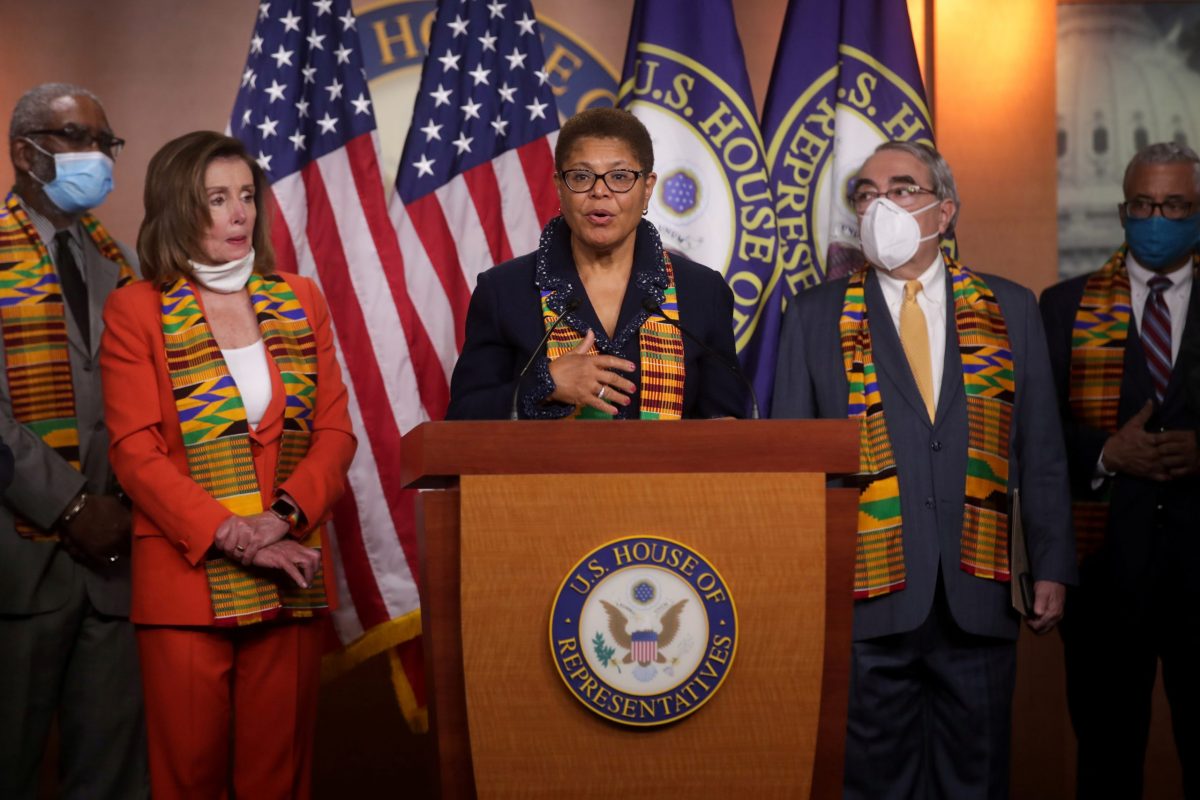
x: 619, y: 319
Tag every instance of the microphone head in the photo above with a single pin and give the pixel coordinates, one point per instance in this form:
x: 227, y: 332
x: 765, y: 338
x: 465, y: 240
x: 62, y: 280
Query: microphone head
x: 651, y: 305
x: 572, y: 304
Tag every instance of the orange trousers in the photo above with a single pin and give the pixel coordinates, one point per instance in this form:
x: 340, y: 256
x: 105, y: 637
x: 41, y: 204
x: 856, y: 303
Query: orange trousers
x: 231, y: 711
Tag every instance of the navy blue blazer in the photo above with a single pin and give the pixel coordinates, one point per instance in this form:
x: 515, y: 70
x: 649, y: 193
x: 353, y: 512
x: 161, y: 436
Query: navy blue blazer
x: 931, y: 458
x: 1151, y: 547
x: 504, y: 326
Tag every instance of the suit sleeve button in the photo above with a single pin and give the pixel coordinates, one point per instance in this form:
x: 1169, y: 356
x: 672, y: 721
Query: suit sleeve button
x: 930, y: 502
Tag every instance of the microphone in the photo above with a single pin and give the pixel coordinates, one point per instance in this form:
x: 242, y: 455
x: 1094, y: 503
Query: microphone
x: 652, y: 306
x: 570, y: 306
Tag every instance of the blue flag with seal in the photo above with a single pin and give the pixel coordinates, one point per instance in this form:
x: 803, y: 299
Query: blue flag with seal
x: 845, y: 81
x: 685, y: 78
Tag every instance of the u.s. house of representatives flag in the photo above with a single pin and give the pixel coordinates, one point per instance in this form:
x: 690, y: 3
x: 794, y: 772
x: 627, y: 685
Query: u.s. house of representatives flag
x: 304, y: 112
x: 845, y: 80
x: 475, y: 183
x: 685, y: 78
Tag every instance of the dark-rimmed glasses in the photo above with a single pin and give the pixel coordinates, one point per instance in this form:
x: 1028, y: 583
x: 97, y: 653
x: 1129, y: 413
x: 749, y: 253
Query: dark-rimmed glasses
x: 82, y: 138
x: 617, y: 180
x: 1171, y: 209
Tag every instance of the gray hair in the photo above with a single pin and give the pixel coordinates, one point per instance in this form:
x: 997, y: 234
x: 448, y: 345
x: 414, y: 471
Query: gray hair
x: 32, y: 111
x: 943, y: 187
x: 1166, y: 153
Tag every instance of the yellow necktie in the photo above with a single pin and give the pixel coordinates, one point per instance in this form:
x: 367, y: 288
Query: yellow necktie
x: 914, y: 338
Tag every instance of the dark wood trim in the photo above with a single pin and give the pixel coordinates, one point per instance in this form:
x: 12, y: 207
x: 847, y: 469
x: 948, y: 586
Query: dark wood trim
x: 441, y: 623
x: 841, y: 524
x: 436, y: 453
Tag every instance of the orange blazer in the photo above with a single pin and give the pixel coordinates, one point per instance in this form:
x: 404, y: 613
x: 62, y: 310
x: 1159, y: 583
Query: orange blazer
x: 174, y: 518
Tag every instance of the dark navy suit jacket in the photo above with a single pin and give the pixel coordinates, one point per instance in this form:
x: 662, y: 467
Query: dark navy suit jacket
x: 931, y: 458
x: 1151, y: 545
x: 505, y: 325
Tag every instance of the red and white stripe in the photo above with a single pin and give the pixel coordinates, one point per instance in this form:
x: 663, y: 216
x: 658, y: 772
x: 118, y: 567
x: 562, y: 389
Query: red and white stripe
x: 478, y: 219
x: 333, y: 226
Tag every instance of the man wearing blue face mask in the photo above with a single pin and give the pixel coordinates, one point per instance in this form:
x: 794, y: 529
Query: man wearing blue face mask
x: 948, y: 371
x: 1123, y: 343
x: 68, y: 648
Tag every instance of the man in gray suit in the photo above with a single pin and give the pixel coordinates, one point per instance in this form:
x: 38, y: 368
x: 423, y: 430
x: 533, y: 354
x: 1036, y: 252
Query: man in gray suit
x: 949, y: 372
x: 68, y: 646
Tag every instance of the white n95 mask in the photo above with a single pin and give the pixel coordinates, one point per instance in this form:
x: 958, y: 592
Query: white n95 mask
x: 890, y: 235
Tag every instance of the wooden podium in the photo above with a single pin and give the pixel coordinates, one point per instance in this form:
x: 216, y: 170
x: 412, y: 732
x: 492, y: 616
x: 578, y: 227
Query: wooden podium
x: 519, y: 503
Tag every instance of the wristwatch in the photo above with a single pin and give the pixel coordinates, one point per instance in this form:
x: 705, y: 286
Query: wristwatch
x: 287, y: 511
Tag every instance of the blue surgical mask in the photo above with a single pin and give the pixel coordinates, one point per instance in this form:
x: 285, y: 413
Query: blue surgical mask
x: 1158, y: 242
x: 81, y: 180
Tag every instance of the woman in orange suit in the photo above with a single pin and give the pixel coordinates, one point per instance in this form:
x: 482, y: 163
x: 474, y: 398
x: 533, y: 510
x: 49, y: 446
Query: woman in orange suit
x: 230, y: 433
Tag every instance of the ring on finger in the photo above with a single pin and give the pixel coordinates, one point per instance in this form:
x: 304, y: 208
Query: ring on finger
x: 240, y: 549
x: 600, y: 394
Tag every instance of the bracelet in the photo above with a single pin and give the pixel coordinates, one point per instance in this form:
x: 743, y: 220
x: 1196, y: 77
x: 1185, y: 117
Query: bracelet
x: 73, y: 511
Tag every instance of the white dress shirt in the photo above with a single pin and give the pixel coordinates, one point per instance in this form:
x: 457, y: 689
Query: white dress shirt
x: 249, y: 370
x: 932, y: 301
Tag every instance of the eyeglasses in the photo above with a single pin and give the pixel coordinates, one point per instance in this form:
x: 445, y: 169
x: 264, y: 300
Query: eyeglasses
x: 1171, y: 209
x: 82, y: 138
x: 900, y: 195
x: 617, y: 180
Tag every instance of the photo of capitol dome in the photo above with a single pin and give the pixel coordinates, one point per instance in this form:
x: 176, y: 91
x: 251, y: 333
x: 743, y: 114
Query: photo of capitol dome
x: 1128, y: 76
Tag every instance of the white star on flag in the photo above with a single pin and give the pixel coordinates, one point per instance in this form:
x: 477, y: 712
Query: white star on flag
x: 471, y: 109
x: 536, y: 110
x: 424, y: 166
x: 431, y: 131
x: 463, y: 143
x: 480, y: 74
x: 276, y: 90
x: 328, y: 124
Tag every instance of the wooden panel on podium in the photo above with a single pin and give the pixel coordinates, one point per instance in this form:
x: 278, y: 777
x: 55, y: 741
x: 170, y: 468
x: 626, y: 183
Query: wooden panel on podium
x: 521, y: 537
x: 533, y: 498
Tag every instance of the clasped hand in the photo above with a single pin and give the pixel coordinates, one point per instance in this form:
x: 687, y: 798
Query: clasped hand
x: 583, y: 379
x: 261, y: 540
x: 1159, y: 456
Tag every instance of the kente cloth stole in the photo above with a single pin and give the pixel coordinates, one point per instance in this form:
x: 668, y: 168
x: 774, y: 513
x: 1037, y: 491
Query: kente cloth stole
x: 989, y: 384
x: 35, y: 335
x: 216, y: 435
x: 661, y: 356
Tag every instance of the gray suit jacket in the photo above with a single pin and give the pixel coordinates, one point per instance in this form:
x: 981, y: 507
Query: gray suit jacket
x: 36, y: 577
x: 931, y: 459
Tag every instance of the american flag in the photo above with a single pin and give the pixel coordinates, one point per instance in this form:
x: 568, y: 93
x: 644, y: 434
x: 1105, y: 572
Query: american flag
x: 304, y: 112
x: 475, y: 183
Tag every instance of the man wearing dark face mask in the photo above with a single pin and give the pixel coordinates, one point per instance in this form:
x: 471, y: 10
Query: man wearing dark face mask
x: 68, y: 648
x: 1123, y: 343
x: 948, y: 371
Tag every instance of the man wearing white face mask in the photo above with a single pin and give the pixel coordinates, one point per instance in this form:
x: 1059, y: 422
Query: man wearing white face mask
x: 68, y: 647
x: 948, y: 371
x: 1125, y: 345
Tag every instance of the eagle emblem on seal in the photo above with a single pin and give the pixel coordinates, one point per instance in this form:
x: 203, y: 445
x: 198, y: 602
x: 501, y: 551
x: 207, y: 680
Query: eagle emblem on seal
x: 643, y: 634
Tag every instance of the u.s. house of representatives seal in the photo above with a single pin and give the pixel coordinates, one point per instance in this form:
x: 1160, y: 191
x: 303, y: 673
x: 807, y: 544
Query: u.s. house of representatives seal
x: 643, y: 630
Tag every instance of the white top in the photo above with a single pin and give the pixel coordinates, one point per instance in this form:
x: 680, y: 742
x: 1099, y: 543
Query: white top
x: 1177, y: 297
x: 249, y: 369
x: 932, y: 301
